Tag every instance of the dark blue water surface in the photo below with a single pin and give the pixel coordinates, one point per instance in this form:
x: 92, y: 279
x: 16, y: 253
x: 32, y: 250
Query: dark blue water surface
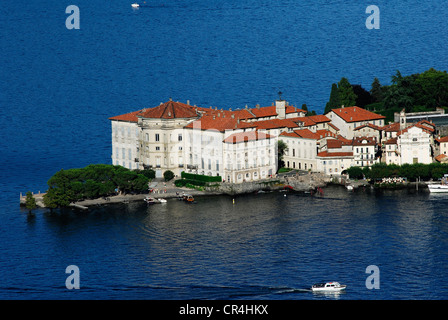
x: 59, y: 86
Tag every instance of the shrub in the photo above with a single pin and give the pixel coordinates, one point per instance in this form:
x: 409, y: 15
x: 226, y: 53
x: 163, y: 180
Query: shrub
x: 200, y: 177
x: 168, y: 175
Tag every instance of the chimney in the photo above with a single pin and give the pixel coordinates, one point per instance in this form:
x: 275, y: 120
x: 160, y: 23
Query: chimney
x: 233, y: 116
x: 280, y: 109
x: 342, y: 106
x: 258, y: 106
x: 188, y: 102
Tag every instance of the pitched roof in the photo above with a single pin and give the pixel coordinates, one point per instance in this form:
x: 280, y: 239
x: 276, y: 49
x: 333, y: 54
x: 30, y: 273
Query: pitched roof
x: 213, y: 122
x: 326, y: 154
x: 170, y: 110
x: 325, y: 133
x: 355, y: 114
x: 364, y: 141
x: 391, y: 141
x: 441, y: 158
x: 442, y: 139
x: 246, y: 136
x: 128, y: 117
x: 276, y: 123
x: 369, y: 125
x: 392, y: 127
x: 303, y: 133
x: 417, y: 125
x: 319, y: 118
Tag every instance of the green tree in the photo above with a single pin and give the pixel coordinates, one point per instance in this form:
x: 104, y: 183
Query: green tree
x: 168, y: 175
x: 30, y: 202
x: 355, y: 173
x: 347, y: 96
x: 377, y: 91
x: 399, y: 94
x: 282, y: 147
x: 431, y: 89
x: 54, y: 198
x: 334, y: 101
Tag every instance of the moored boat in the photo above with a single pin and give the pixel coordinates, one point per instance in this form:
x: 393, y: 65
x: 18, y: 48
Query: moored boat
x: 438, y: 188
x: 441, y: 187
x: 150, y: 200
x: 328, y: 287
x: 135, y: 5
x: 188, y: 198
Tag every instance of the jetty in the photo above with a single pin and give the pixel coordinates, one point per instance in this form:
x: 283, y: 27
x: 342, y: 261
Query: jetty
x: 39, y: 197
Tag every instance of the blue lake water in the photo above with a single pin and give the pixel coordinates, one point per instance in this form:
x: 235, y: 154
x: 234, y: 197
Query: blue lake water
x: 59, y: 86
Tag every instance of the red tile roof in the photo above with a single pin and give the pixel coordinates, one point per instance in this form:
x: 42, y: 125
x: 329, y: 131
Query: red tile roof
x: 441, y: 158
x: 303, y: 133
x: 335, y: 154
x: 391, y: 141
x: 417, y: 125
x: 442, y: 139
x: 364, y: 141
x: 170, y: 110
x: 276, y: 123
x: 369, y: 125
x: 128, y: 117
x: 355, y: 114
x: 320, y: 118
x: 333, y: 126
x: 393, y: 127
x: 245, y: 136
x: 212, y: 122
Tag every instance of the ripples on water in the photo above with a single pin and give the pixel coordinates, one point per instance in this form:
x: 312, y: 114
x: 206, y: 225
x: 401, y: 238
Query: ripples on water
x: 265, y: 246
x: 60, y: 86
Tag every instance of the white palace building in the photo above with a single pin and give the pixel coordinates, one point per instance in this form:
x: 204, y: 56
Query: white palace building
x: 241, y: 145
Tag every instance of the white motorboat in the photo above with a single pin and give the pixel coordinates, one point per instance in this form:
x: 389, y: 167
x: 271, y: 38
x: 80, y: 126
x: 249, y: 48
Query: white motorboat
x: 328, y: 287
x: 438, y: 188
x: 135, y: 5
x: 162, y: 200
x: 150, y: 200
x: 441, y: 187
x: 349, y: 187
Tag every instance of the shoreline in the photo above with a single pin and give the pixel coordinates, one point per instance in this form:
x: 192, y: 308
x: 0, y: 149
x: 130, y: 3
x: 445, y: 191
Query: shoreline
x: 296, y: 182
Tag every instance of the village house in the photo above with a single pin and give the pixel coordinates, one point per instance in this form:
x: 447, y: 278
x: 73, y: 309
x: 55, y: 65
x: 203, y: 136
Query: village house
x: 364, y: 151
x: 442, y: 149
x: 414, y: 145
x: 302, y: 149
x: 349, y: 118
x: 335, y: 157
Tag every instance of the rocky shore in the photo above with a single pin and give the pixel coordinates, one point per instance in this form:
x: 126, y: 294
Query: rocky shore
x: 296, y: 181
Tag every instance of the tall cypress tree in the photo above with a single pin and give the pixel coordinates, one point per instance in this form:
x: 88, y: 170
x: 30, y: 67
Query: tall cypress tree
x: 347, y: 96
x: 334, y: 101
x: 376, y: 91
